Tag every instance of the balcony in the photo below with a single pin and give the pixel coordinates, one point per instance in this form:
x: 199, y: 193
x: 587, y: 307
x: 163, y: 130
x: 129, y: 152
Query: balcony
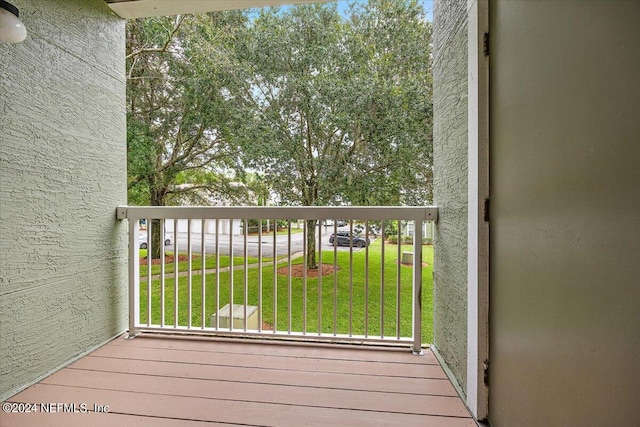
x: 342, y: 345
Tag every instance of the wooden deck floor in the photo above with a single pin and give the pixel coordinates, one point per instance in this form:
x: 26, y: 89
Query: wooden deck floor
x: 151, y: 381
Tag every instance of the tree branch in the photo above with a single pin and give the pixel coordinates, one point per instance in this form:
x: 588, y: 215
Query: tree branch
x: 166, y: 45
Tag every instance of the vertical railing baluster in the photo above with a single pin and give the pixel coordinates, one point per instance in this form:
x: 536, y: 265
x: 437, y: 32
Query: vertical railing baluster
x: 203, y: 255
x: 382, y: 285
x: 245, y: 276
x: 149, y: 267
x: 417, y: 289
x: 351, y: 277
x: 231, y: 276
x: 366, y: 283
x: 398, y: 278
x: 217, y: 296
x: 189, y: 276
x: 162, y: 260
x: 335, y: 276
x: 175, y: 273
x: 319, y: 251
x: 260, y: 275
x: 275, y: 277
x: 289, y: 280
x: 304, y: 277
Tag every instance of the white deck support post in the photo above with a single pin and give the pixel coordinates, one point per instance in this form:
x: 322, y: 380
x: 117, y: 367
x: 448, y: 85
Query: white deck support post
x: 416, y: 348
x: 134, y: 272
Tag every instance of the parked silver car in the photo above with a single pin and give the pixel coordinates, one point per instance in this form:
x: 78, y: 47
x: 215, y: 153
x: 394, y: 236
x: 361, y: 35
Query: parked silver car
x: 143, y: 240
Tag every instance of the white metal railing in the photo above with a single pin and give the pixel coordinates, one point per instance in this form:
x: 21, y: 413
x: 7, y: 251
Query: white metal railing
x: 365, y: 303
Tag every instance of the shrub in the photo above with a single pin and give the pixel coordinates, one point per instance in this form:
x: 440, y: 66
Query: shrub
x: 405, y: 240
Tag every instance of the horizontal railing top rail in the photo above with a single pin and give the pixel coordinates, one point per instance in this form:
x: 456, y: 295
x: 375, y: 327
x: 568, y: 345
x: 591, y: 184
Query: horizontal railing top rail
x: 363, y: 213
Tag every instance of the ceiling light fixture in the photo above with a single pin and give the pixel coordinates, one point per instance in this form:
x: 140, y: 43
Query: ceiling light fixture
x: 12, y: 30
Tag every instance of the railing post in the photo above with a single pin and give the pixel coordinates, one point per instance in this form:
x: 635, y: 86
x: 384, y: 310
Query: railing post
x: 416, y: 348
x: 134, y: 277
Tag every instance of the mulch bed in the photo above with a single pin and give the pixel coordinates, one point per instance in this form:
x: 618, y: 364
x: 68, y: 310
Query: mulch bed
x: 298, y: 270
x: 168, y: 259
x: 267, y: 326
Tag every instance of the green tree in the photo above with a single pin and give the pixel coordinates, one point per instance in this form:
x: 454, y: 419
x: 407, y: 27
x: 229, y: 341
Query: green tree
x: 179, y: 79
x: 292, y: 64
x: 339, y: 110
x: 390, y: 101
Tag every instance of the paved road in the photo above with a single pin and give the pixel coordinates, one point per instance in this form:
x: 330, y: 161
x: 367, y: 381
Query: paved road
x: 224, y: 242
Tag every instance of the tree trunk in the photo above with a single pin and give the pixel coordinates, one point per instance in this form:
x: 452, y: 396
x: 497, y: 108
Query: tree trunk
x: 157, y: 199
x: 156, y: 238
x: 311, y: 244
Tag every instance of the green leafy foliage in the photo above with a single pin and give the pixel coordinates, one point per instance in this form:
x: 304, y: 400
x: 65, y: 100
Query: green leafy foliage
x: 179, y: 76
x: 302, y: 104
x: 180, y: 73
x: 338, y: 109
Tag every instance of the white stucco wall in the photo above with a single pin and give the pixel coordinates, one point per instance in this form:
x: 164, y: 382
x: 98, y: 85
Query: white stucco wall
x: 62, y: 173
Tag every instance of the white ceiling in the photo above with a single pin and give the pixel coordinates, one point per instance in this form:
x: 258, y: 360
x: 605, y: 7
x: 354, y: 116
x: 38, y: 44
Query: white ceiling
x: 144, y: 8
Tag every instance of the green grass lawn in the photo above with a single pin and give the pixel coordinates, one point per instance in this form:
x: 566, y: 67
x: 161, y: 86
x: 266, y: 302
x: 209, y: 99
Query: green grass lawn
x: 338, y: 286
x: 196, y: 263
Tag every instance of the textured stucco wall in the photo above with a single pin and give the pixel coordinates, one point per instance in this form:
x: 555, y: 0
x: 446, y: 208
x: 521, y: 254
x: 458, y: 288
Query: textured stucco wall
x: 565, y: 213
x: 450, y: 183
x: 62, y: 173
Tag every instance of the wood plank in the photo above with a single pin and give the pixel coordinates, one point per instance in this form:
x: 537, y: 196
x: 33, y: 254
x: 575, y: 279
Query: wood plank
x: 274, y: 362
x: 96, y: 420
x: 212, y: 410
x: 437, y: 387
x: 336, y: 352
x: 264, y: 393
